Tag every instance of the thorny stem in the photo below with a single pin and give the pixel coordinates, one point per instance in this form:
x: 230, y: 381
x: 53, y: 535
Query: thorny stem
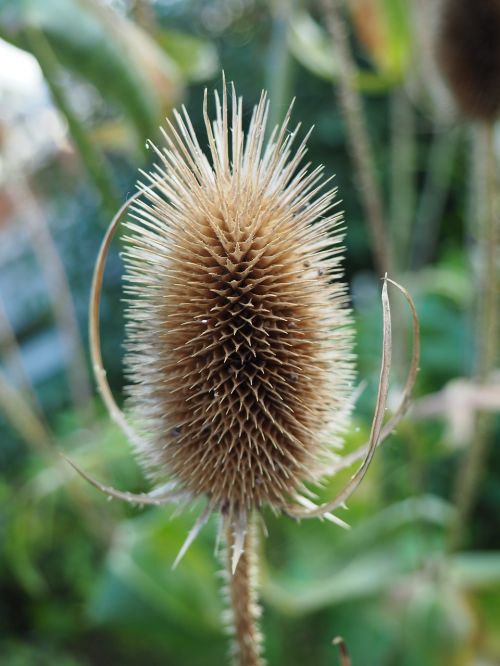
x: 487, y: 332
x: 351, y: 104
x: 244, y: 610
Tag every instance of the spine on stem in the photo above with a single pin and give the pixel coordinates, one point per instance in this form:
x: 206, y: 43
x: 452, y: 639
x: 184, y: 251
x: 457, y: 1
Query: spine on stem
x: 243, y: 613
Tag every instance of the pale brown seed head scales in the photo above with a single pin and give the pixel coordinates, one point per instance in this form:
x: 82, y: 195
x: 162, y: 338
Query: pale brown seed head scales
x: 239, y: 352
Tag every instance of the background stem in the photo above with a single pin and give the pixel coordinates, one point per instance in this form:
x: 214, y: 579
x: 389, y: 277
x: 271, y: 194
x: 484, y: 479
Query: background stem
x: 403, y: 168
x: 90, y: 155
x: 436, y: 187
x: 279, y: 63
x: 59, y: 291
x: 487, y: 335
x: 351, y: 104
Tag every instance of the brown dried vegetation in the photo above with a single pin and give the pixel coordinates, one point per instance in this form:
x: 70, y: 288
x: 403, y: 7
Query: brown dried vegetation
x: 238, y: 351
x: 468, y: 49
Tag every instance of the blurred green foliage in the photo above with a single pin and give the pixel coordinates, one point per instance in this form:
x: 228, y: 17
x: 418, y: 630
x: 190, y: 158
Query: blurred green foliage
x: 85, y: 581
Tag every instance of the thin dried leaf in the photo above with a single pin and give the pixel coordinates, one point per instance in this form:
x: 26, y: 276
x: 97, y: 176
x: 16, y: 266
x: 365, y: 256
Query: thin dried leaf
x: 94, y: 334
x: 132, y: 498
x: 383, y: 389
x: 404, y: 404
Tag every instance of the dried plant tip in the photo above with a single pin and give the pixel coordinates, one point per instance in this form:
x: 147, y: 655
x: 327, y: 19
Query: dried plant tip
x: 238, y: 344
x: 162, y: 495
x: 468, y: 48
x: 345, y: 660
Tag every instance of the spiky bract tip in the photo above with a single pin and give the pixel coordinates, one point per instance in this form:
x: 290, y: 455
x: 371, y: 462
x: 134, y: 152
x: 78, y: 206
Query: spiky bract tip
x: 238, y: 343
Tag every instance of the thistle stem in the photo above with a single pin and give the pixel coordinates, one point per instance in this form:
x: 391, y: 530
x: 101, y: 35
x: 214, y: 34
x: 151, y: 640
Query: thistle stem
x: 487, y: 332
x: 242, y: 593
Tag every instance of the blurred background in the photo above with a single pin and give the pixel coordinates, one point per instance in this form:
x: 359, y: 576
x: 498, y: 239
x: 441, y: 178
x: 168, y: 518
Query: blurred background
x: 84, y: 581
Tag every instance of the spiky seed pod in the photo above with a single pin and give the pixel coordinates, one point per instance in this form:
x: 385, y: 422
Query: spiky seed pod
x: 238, y: 344
x: 468, y: 47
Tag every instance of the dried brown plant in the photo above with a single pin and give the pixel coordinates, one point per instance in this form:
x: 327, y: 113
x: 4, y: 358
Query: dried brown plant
x: 239, y: 350
x: 239, y: 346
x: 468, y: 48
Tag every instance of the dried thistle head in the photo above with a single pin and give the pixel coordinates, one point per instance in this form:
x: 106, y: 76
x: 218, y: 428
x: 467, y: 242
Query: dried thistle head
x: 238, y: 338
x: 468, y: 48
x: 238, y: 344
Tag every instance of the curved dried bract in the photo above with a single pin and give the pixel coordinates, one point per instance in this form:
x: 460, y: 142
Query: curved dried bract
x: 404, y: 404
x: 238, y: 344
x: 94, y: 333
x: 378, y: 432
x: 161, y: 495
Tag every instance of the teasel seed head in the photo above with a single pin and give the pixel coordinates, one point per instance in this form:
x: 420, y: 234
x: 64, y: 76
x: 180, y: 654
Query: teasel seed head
x: 239, y: 349
x: 468, y: 49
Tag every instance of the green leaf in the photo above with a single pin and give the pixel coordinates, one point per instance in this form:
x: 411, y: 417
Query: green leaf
x: 355, y: 576
x: 196, y: 58
x: 139, y: 566
x: 395, y: 56
x: 476, y: 570
x: 314, y: 49
x: 102, y: 47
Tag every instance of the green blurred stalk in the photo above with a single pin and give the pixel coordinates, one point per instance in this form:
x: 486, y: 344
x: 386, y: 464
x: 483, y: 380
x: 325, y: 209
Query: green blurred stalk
x: 403, y: 166
x: 279, y: 63
x: 401, y: 211
x: 23, y: 419
x: 30, y: 427
x: 351, y: 104
x: 25, y: 204
x: 438, y: 174
x: 90, y: 155
x: 144, y: 15
x: 471, y: 471
x: 11, y: 353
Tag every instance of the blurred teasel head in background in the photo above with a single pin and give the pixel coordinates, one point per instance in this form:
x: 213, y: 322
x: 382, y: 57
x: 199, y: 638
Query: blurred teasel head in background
x: 239, y: 349
x: 468, y: 50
